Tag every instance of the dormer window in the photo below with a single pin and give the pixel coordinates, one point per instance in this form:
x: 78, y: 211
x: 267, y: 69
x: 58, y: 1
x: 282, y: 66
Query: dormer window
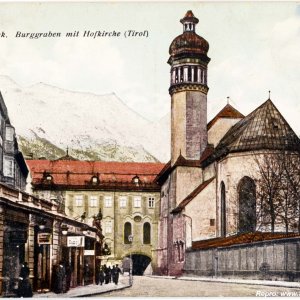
x: 47, y: 177
x: 95, y: 180
x: 136, y: 180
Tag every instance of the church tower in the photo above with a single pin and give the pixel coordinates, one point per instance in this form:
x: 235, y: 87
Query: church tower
x: 188, y: 90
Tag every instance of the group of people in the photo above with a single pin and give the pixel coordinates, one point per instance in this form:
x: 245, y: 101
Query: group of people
x: 61, y: 277
x: 107, y: 274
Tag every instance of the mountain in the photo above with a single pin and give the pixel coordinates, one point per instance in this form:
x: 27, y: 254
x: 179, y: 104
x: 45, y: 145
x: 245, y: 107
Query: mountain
x: 49, y: 119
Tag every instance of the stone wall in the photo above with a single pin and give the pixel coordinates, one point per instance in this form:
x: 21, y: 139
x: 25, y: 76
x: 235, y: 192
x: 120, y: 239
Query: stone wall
x: 269, y: 260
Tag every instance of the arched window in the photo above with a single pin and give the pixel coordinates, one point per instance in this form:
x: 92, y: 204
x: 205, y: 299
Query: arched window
x: 147, y: 233
x: 247, y: 205
x: 127, y: 232
x: 223, y: 210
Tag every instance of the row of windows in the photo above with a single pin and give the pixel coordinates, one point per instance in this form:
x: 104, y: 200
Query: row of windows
x: 146, y: 233
x: 128, y: 231
x: 137, y: 201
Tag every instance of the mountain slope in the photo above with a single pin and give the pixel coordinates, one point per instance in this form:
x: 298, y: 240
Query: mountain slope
x: 94, y: 127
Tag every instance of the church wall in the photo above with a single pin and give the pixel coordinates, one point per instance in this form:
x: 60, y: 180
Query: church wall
x: 187, y: 179
x: 231, y: 170
x: 267, y: 260
x: 202, y: 211
x: 209, y: 171
x: 219, y: 129
x: 165, y: 225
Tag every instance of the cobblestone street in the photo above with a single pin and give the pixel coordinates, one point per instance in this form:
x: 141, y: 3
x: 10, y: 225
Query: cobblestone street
x: 146, y: 286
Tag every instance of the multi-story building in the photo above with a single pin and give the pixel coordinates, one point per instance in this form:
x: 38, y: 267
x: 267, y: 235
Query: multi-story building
x: 13, y: 169
x: 125, y: 195
x: 32, y: 229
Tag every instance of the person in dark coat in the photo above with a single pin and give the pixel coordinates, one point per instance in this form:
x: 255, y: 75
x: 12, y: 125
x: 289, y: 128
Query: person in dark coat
x: 107, y: 275
x: 58, y: 278
x: 101, y: 276
x: 24, y: 289
x: 113, y: 270
x: 68, y: 276
x: 109, y: 272
x: 116, y: 272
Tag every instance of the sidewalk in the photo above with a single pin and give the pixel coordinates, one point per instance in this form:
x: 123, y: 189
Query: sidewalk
x: 88, y: 290
x: 235, y: 281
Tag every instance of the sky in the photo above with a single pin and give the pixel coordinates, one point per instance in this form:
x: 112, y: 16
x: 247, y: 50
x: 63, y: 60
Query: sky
x: 254, y: 48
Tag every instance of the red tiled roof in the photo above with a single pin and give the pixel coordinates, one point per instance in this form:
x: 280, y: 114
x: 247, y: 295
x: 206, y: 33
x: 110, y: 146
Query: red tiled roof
x: 244, y: 238
x: 192, y: 195
x: 227, y: 112
x: 79, y: 173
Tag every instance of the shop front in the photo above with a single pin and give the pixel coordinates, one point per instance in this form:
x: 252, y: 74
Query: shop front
x: 42, y: 254
x: 78, y: 252
x: 15, y: 236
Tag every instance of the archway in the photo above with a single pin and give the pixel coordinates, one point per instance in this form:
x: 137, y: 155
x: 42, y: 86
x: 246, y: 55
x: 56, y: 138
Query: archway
x: 247, y: 205
x: 140, y: 263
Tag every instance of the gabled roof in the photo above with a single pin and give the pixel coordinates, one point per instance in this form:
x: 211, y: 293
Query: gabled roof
x: 227, y: 112
x: 76, y: 174
x: 180, y: 162
x: 192, y: 195
x: 263, y: 129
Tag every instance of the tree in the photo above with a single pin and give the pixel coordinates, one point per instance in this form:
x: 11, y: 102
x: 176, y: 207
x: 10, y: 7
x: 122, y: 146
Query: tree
x: 278, y: 200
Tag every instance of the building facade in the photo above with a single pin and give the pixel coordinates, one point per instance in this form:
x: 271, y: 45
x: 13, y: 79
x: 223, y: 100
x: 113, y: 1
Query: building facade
x: 212, y: 186
x: 31, y: 228
x: 13, y: 169
x: 125, y: 194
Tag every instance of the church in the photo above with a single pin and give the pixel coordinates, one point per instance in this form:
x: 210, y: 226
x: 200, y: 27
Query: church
x: 209, y: 188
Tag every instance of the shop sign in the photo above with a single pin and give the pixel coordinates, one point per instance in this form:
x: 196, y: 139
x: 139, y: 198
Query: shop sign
x: 44, y: 238
x: 75, y: 241
x: 89, y: 252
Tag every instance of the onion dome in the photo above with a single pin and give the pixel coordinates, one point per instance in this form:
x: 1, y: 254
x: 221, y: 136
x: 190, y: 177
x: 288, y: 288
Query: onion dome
x: 188, y: 42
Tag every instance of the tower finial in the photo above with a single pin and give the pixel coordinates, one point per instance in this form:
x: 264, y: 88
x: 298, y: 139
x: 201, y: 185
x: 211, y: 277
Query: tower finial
x: 228, y: 98
x: 269, y: 95
x: 189, y: 21
x: 67, y: 150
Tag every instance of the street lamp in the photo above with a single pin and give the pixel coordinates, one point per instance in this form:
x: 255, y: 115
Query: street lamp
x: 130, y: 239
x: 64, y: 229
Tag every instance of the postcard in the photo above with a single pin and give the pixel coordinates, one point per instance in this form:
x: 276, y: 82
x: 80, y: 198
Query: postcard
x: 149, y: 149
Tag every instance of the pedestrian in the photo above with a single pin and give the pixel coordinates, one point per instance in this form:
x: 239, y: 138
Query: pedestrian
x: 109, y: 272
x: 113, y: 270
x: 68, y: 270
x: 107, y: 275
x: 58, y: 285
x: 117, y: 272
x: 24, y: 289
x: 101, y: 276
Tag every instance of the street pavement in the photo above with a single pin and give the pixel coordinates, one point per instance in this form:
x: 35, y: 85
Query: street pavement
x: 167, y: 286
x: 155, y: 286
x: 88, y: 290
